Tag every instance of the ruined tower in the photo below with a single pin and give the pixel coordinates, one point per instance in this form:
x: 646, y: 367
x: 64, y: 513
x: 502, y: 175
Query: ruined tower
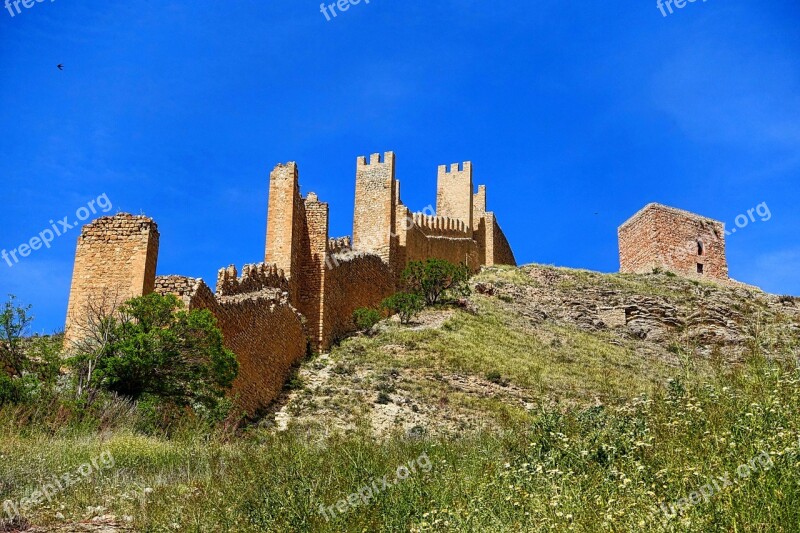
x: 672, y: 239
x: 115, y: 260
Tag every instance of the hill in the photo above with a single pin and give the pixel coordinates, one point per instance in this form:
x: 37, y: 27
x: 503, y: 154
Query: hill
x: 537, y: 336
x: 549, y: 400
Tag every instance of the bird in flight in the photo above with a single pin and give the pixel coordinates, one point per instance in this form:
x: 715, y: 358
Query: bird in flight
x: 60, y: 66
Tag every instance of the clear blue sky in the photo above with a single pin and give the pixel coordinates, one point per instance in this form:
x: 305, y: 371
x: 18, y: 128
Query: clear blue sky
x: 179, y: 110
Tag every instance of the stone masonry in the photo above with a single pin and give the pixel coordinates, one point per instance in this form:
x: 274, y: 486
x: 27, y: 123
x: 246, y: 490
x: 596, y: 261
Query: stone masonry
x: 305, y: 292
x: 115, y: 260
x: 671, y: 239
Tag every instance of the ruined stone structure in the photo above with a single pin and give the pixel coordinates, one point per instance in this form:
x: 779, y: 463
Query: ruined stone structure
x: 115, y: 260
x: 671, y: 239
x: 305, y: 292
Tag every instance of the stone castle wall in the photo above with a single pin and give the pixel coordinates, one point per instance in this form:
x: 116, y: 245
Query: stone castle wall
x: 307, y: 289
x: 352, y: 280
x: 261, y: 328
x: 671, y: 239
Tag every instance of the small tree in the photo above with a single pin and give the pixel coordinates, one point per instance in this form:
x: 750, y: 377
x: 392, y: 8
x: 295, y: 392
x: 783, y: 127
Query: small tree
x: 406, y: 304
x: 366, y: 317
x: 14, y: 323
x: 435, y: 277
x: 154, y: 347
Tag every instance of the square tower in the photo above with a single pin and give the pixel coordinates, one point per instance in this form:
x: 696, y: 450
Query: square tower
x: 672, y: 239
x: 115, y: 260
x: 454, y: 193
x: 376, y: 197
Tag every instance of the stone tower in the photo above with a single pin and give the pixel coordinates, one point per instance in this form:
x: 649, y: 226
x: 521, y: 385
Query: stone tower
x: 375, y: 203
x: 454, y: 193
x: 672, y: 239
x: 115, y: 261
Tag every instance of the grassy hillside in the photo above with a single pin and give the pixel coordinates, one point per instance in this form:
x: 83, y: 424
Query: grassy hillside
x: 550, y: 400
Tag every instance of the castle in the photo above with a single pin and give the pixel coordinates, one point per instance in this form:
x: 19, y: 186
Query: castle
x: 305, y: 291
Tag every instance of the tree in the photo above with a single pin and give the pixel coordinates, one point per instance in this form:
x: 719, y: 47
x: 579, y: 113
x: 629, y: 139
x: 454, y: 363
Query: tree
x: 14, y: 323
x: 435, y: 277
x: 151, y: 346
x: 406, y: 304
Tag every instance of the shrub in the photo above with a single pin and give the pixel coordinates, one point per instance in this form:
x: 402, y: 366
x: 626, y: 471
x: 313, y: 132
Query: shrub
x: 383, y: 398
x: 14, y: 323
x: 436, y: 278
x: 366, y: 317
x: 495, y: 377
x: 158, y: 350
x: 406, y: 304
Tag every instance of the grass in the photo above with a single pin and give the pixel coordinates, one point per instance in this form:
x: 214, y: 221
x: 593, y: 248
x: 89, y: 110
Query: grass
x: 601, y: 468
x: 552, y: 428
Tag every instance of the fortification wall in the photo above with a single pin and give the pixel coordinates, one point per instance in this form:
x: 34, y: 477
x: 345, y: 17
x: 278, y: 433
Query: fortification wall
x: 264, y: 331
x: 269, y: 338
x: 675, y: 240
x: 422, y: 237
x: 493, y: 246
x: 352, y: 280
x: 115, y: 260
x: 502, y: 254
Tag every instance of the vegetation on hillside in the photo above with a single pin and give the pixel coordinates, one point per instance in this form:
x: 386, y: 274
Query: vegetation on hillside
x: 534, y: 415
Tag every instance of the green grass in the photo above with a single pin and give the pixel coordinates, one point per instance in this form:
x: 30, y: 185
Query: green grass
x: 548, y: 427
x: 595, y: 469
x: 549, y: 360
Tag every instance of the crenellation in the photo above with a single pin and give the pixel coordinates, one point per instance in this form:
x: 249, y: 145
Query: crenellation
x: 255, y: 277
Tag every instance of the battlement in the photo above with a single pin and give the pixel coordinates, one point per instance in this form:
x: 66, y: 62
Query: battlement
x: 340, y: 245
x: 255, y: 277
x: 441, y: 226
x: 462, y: 170
x: 375, y: 159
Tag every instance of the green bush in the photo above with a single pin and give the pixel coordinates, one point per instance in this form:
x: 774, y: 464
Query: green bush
x: 14, y: 323
x: 406, y: 304
x: 366, y: 317
x: 436, y: 278
x: 158, y: 350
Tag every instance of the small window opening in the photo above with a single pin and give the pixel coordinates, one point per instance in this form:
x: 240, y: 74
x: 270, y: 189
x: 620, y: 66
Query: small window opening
x: 700, y: 268
x: 700, y: 248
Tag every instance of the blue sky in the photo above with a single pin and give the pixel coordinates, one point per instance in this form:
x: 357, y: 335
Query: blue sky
x: 574, y: 114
